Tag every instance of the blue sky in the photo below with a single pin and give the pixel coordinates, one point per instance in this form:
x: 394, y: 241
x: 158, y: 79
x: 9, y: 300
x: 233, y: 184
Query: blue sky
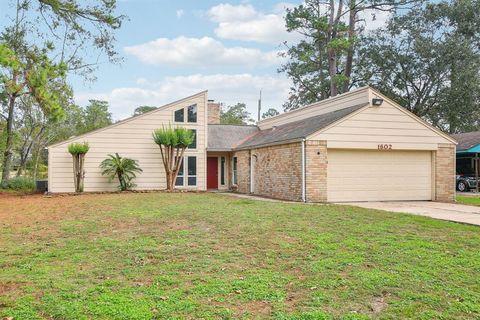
x: 172, y: 49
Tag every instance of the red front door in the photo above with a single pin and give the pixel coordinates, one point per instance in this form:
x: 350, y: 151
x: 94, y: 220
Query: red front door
x: 212, y: 173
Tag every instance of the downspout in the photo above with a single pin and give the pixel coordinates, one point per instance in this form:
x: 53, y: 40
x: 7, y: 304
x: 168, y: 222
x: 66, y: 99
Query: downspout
x: 251, y: 172
x: 304, y: 196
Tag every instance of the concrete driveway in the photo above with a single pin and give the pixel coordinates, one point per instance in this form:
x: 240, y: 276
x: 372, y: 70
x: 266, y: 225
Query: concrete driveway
x: 437, y: 210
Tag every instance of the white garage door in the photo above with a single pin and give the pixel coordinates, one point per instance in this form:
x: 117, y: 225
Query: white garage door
x: 370, y: 175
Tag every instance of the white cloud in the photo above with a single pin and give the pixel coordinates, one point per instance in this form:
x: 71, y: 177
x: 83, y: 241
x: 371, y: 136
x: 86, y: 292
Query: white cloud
x: 225, y: 88
x: 180, y: 13
x: 225, y: 12
x: 244, y: 22
x: 200, y: 52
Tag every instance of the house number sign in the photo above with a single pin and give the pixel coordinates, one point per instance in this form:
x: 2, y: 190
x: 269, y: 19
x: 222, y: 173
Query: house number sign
x: 384, y: 146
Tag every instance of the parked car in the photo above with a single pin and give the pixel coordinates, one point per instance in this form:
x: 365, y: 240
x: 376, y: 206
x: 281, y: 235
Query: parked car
x: 466, y: 182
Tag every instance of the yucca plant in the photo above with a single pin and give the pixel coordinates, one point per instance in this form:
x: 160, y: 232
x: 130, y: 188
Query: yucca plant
x: 125, y: 169
x: 78, y: 152
x: 172, y: 143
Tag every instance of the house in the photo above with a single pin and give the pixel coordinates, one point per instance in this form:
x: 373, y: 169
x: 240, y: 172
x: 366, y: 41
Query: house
x: 357, y: 146
x: 468, y: 160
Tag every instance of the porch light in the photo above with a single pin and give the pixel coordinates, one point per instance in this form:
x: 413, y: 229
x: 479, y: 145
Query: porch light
x: 377, y: 102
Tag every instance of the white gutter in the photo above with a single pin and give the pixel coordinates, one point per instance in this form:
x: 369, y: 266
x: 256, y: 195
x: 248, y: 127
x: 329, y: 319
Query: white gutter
x: 304, y: 196
x: 251, y: 172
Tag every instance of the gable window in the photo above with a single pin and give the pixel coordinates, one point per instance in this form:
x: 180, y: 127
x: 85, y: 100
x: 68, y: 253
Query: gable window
x: 180, y: 115
x: 193, y: 145
x: 234, y: 170
x: 222, y: 171
x: 192, y: 171
x: 192, y: 113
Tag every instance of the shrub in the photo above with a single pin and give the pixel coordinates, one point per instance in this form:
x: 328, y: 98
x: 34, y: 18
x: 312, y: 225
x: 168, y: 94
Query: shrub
x: 23, y: 184
x: 125, y: 169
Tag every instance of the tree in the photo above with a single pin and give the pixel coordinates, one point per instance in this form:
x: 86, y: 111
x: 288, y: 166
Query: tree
x: 429, y: 62
x: 270, y: 113
x: 29, y: 74
x: 236, y: 114
x: 321, y: 64
x: 125, y: 169
x: 143, y: 109
x: 78, y: 152
x: 96, y: 116
x: 46, y: 39
x: 172, y: 143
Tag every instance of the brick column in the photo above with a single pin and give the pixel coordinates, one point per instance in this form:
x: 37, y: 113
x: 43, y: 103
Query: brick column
x: 445, y: 173
x: 316, y: 159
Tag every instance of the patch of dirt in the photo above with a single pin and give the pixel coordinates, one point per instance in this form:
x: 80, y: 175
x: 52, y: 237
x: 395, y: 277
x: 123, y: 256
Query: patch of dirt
x: 9, y: 288
x: 379, y: 303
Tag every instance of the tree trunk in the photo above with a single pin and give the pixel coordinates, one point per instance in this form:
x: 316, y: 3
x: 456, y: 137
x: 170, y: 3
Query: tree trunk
x: 351, y: 34
x: 332, y: 57
x: 8, y: 154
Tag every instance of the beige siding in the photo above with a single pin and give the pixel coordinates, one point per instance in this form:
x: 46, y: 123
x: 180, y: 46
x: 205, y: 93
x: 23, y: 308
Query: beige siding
x: 130, y: 138
x: 356, y: 97
x: 385, y: 124
x: 372, y: 175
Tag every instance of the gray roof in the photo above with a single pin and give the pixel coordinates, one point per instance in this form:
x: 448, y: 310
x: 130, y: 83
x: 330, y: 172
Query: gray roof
x: 224, y: 137
x: 467, y: 140
x: 297, y: 130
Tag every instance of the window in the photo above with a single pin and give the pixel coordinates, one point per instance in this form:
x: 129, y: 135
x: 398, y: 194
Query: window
x: 192, y: 113
x: 192, y: 171
x: 180, y: 176
x: 188, y: 178
x: 193, y: 145
x: 180, y: 115
x: 234, y: 169
x: 222, y: 171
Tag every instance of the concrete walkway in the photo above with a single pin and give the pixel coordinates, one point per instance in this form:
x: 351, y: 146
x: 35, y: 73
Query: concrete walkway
x: 437, y: 210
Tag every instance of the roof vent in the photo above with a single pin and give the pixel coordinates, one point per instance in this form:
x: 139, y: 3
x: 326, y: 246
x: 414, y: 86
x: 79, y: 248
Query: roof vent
x: 274, y: 127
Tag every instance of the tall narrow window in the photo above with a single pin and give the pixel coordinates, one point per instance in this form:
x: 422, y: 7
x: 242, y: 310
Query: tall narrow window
x: 192, y: 113
x: 193, y: 145
x: 180, y: 177
x: 222, y: 171
x: 234, y: 170
x: 180, y: 115
x: 192, y: 171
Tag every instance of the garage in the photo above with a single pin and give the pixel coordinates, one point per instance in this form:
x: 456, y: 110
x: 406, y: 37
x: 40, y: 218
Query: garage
x: 373, y: 175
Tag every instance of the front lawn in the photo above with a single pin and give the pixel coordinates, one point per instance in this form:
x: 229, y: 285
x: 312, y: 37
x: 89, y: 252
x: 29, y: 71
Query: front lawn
x: 470, y: 200
x: 157, y: 255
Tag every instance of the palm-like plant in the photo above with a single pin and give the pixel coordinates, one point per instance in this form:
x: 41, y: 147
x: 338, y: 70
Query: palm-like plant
x: 125, y: 169
x: 172, y: 143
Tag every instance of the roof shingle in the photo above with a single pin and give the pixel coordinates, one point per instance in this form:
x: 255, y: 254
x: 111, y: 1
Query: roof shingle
x: 297, y: 130
x: 467, y: 140
x: 225, y: 137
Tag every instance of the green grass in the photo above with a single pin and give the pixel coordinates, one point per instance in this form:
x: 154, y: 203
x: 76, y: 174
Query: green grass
x: 470, y: 200
x: 210, y: 256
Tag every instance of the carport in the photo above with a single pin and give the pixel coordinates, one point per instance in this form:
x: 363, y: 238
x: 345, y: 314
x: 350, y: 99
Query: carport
x: 468, y: 155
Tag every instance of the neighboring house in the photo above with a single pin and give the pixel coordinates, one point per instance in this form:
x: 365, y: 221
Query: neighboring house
x: 468, y: 160
x: 358, y: 146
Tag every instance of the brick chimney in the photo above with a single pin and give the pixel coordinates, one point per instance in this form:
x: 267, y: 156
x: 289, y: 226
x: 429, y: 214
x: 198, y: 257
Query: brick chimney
x: 213, y: 112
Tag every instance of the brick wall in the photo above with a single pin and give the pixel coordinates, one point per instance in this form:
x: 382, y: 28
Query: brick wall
x: 243, y: 171
x: 445, y: 173
x: 316, y: 170
x: 277, y: 171
x: 213, y: 113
